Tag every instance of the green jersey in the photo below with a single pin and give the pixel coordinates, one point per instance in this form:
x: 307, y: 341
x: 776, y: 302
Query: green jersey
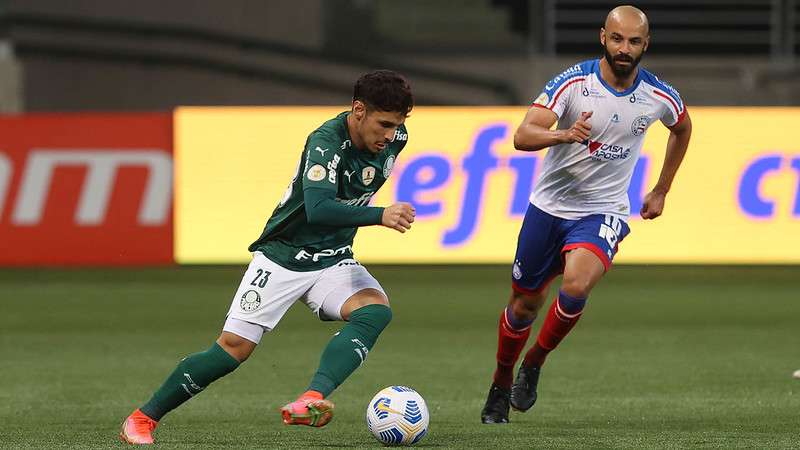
x: 316, y: 220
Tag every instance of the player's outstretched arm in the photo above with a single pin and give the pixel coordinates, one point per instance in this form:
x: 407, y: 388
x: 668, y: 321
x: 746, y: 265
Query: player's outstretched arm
x: 677, y: 144
x: 399, y: 216
x: 535, y: 134
x: 322, y: 209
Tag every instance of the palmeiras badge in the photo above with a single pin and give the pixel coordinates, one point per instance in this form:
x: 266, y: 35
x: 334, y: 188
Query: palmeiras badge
x: 250, y: 301
x: 388, y: 166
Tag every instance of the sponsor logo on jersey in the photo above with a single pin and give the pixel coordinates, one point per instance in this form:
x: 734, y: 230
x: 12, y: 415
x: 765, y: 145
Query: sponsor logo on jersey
x: 250, y: 301
x: 303, y: 255
x: 576, y: 69
x: 332, y: 168
x: 398, y: 136
x: 615, y: 118
x: 543, y: 99
x: 321, y: 150
x: 350, y: 262
x: 594, y: 93
x: 367, y: 175
x: 638, y: 99
x: 348, y: 174
x: 346, y: 144
x: 607, y: 152
x: 516, y: 272
x: 316, y: 173
x: 388, y: 166
x: 639, y: 125
x: 363, y: 200
x: 585, y: 92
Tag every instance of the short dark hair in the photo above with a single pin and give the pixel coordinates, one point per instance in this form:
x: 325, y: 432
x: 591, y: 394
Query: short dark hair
x: 385, y: 90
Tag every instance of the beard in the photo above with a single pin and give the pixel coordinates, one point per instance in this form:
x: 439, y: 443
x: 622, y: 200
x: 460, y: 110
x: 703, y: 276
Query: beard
x: 621, y: 71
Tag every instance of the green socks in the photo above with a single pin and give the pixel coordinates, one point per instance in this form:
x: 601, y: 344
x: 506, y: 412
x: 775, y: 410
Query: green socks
x: 344, y: 353
x: 193, y: 374
x: 349, y: 347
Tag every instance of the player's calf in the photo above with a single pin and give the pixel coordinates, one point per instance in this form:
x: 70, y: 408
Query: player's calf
x: 192, y: 375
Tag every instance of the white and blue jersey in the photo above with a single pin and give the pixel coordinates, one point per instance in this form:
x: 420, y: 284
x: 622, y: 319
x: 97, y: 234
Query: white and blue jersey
x: 578, y: 180
x: 581, y: 197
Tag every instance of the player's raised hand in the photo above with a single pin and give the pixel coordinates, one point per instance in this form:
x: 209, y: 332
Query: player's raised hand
x: 580, y: 130
x: 399, y: 216
x: 653, y: 205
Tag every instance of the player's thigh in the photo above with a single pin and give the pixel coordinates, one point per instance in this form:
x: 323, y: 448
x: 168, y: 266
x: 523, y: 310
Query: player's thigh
x: 347, y: 280
x: 266, y: 292
x: 537, y: 260
x: 589, y: 249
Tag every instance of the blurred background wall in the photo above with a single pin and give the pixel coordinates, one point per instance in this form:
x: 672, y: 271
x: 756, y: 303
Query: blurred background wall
x: 155, y: 55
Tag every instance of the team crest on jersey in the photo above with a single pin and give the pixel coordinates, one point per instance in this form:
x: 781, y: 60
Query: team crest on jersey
x: 367, y: 175
x: 388, y: 166
x: 542, y: 99
x: 316, y: 173
x: 250, y: 301
x: 639, y: 125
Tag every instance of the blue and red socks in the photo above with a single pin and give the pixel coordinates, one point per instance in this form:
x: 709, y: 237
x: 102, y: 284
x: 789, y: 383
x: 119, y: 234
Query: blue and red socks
x: 512, y: 336
x: 561, y: 317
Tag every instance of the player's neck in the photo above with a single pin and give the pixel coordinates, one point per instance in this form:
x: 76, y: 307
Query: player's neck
x: 355, y: 139
x: 611, y: 79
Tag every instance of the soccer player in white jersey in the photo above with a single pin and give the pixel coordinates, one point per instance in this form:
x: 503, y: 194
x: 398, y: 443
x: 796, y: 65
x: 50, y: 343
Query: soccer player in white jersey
x: 578, y: 210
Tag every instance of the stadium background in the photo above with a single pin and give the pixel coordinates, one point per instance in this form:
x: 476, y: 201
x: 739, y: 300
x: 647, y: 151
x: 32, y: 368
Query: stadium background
x: 162, y: 134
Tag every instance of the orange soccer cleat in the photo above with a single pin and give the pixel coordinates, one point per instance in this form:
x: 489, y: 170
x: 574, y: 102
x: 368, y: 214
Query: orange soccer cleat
x: 311, y: 410
x: 138, y: 429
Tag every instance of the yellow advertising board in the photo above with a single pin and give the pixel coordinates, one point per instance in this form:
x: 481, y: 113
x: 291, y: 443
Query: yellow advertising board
x: 735, y: 199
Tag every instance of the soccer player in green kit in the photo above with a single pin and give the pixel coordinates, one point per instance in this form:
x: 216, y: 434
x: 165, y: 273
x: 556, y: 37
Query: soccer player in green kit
x: 305, y: 253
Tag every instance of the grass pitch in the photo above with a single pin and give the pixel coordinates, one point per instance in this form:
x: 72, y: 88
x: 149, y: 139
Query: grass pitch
x: 663, y: 358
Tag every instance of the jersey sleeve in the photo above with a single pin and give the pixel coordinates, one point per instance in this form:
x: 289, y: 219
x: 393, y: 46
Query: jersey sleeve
x: 322, y: 160
x: 558, y: 91
x: 673, y: 110
x: 321, y: 184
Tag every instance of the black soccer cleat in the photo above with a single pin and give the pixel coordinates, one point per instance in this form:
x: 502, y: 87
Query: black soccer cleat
x: 523, y: 392
x: 496, y: 408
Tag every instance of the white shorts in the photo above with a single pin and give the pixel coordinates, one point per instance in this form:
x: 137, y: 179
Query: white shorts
x: 268, y: 290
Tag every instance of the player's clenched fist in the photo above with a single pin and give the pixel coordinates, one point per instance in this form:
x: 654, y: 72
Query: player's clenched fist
x: 579, y: 131
x: 399, y: 216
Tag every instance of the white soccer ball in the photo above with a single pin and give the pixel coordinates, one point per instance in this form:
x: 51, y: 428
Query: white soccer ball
x: 398, y: 415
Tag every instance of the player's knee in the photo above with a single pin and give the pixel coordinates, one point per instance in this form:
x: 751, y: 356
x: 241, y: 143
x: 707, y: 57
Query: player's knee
x: 236, y: 346
x: 365, y: 297
x: 526, y: 306
x: 576, y: 286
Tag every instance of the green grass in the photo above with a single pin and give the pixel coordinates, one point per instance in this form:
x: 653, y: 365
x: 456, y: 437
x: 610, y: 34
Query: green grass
x: 664, y: 357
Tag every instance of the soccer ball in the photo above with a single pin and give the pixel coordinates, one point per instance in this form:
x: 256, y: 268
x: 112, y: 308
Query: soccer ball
x: 398, y: 415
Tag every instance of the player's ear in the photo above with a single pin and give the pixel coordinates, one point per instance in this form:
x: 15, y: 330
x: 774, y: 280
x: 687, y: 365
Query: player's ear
x: 646, y: 43
x: 359, y: 109
x: 602, y: 36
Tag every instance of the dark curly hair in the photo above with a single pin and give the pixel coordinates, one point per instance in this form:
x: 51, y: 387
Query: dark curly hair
x: 385, y: 90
